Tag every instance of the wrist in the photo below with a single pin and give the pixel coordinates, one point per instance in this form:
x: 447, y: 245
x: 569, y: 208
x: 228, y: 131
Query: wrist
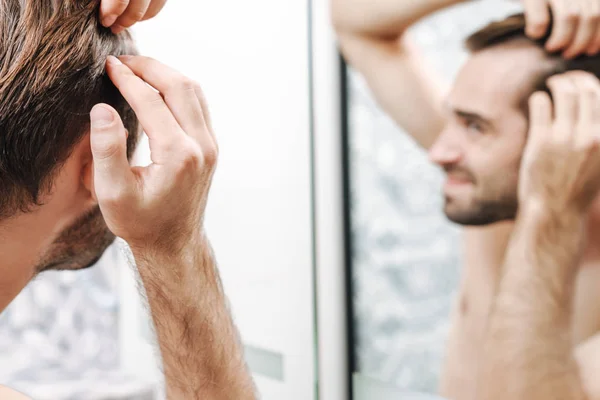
x: 186, y: 259
x: 543, y: 211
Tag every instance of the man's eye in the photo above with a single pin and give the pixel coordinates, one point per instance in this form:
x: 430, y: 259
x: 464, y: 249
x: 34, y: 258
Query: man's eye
x: 475, y: 127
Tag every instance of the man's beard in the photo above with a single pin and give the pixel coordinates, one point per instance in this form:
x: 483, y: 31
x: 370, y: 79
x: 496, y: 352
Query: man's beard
x: 80, y: 245
x: 484, y: 212
x: 497, y: 200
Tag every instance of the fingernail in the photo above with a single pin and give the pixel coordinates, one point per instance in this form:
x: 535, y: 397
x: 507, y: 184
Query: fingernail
x: 101, y: 117
x: 116, y: 29
x: 125, y: 58
x: 113, y: 60
x: 109, y: 20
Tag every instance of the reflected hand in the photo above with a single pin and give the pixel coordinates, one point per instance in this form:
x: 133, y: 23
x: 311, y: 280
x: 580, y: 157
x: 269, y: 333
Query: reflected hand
x: 576, y: 25
x: 561, y: 162
x: 121, y: 14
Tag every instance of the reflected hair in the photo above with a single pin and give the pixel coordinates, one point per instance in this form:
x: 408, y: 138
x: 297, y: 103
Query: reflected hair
x: 512, y: 30
x: 52, y: 72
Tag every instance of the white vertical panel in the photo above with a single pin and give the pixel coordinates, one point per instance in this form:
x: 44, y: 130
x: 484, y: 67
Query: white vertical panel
x: 251, y: 57
x: 331, y: 283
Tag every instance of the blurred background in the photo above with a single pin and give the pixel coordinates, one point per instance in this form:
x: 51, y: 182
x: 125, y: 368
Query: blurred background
x: 333, y: 295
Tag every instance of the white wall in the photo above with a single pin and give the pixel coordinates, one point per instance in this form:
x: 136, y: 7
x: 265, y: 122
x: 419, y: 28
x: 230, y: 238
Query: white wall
x: 251, y: 57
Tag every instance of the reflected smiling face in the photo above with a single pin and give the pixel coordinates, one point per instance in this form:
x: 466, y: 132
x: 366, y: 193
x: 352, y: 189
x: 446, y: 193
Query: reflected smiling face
x: 481, y: 146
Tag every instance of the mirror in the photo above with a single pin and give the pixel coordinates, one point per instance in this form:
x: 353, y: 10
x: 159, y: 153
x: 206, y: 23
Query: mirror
x: 406, y: 256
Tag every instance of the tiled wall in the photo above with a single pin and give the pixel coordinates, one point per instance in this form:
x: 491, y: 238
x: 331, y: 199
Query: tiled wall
x: 59, y: 338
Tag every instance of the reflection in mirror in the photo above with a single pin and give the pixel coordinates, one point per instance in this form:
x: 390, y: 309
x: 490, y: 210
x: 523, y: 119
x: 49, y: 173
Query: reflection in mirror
x: 406, y: 256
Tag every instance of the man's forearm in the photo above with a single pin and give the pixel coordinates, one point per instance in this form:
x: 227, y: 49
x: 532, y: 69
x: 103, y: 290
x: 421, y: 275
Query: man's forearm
x: 201, y: 351
x: 529, y: 352
x: 383, y: 18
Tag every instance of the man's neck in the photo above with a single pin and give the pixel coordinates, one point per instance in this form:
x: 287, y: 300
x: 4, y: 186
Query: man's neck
x: 12, y: 282
x: 19, y: 249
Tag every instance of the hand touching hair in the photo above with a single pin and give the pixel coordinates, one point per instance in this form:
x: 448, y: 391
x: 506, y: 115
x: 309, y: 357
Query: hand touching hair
x: 52, y: 72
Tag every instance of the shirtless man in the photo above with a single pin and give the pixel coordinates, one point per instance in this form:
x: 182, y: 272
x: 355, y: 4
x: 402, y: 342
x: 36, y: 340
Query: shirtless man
x: 517, y: 333
x: 67, y: 188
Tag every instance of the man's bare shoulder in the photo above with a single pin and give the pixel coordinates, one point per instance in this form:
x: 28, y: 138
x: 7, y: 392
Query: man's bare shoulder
x: 9, y: 394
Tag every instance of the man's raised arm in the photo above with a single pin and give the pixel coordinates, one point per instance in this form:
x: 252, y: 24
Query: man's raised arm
x: 529, y: 352
x: 371, y: 38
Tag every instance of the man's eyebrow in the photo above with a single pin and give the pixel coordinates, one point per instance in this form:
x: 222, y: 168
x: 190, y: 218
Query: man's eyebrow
x: 473, y: 116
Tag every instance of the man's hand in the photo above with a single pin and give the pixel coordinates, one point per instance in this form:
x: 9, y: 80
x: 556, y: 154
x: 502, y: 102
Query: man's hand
x: 121, y: 14
x: 561, y: 162
x: 159, y: 211
x: 529, y: 350
x: 162, y: 205
x: 576, y: 25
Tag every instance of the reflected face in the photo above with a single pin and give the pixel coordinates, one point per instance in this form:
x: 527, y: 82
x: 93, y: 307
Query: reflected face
x: 481, y: 146
x: 80, y: 245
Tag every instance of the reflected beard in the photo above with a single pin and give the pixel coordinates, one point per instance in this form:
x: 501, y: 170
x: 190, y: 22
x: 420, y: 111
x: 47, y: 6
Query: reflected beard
x: 80, y: 245
x: 483, y: 212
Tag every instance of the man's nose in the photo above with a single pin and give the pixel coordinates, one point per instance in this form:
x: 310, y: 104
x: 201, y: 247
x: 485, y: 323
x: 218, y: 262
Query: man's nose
x: 445, y: 150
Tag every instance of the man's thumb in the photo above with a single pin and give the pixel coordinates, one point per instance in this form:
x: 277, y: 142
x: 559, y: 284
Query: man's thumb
x: 108, y: 140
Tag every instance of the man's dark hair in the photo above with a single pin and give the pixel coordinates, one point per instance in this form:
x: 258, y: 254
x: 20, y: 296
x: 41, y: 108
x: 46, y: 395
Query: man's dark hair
x: 52, y: 72
x: 512, y: 29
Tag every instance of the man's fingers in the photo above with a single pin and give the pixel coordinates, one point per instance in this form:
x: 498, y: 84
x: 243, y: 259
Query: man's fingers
x: 586, y: 30
x: 588, y: 89
x: 594, y: 45
x: 108, y: 139
x: 110, y: 10
x: 178, y: 91
x: 566, y: 109
x: 135, y: 12
x: 206, y: 112
x: 537, y: 16
x: 566, y: 19
x: 154, y: 8
x: 540, y: 115
x: 164, y: 133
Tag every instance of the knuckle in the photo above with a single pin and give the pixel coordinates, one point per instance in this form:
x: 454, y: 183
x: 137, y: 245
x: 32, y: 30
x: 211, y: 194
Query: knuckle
x: 154, y: 99
x: 589, y: 92
x: 136, y: 14
x: 556, y: 80
x: 191, y: 157
x: 105, y: 151
x: 185, y: 84
x: 538, y: 25
x: 593, y: 16
x: 537, y: 97
x: 569, y: 16
x: 211, y: 155
x: 198, y: 87
x: 121, y: 4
